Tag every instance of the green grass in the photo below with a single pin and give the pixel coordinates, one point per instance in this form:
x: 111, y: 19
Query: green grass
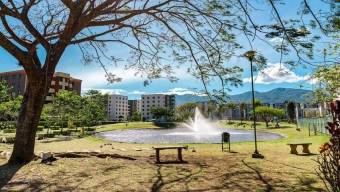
x: 209, y: 169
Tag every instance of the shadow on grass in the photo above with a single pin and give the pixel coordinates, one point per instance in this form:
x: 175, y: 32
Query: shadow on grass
x: 7, y: 171
x: 269, y: 187
x: 183, y: 174
x: 58, y: 139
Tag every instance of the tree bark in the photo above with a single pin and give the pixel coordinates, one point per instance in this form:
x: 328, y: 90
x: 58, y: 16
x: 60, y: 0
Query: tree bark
x: 29, y: 116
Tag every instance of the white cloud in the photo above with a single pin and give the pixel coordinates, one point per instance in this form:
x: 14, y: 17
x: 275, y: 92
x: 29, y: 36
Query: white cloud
x: 276, y: 40
x: 96, y: 77
x: 276, y: 73
x: 137, y: 92
x: 108, y: 91
x: 181, y: 91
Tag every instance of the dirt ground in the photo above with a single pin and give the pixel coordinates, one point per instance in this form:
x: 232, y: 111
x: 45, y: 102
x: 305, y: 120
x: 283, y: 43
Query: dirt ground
x: 208, y: 169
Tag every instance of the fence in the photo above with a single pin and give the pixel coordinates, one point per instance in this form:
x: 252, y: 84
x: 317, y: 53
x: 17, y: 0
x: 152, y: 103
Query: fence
x: 314, y: 125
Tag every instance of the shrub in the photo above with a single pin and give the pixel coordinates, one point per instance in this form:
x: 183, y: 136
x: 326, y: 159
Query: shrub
x: 55, y: 127
x: 66, y: 132
x: 90, y: 129
x: 40, y: 128
x: 8, y: 131
x: 329, y: 158
x: 56, y: 132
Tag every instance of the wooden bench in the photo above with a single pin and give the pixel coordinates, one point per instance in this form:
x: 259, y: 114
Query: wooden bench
x: 178, y: 148
x: 305, y: 147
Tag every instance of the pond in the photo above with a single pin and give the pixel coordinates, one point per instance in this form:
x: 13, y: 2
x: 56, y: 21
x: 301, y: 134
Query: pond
x: 183, y: 135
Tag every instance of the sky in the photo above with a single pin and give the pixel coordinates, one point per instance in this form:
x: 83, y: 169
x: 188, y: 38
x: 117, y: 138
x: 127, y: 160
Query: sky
x: 93, y: 76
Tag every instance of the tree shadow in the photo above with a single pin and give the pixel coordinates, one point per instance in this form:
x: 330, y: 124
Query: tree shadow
x: 269, y: 187
x: 7, y: 171
x: 186, y: 176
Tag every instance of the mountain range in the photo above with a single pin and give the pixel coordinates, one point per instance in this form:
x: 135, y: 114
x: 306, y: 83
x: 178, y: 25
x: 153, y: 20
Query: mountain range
x: 278, y: 95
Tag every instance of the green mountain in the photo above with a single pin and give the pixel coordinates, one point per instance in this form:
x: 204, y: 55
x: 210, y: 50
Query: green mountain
x: 278, y: 95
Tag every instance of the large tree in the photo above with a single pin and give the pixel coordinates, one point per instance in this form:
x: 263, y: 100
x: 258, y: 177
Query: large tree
x: 201, y: 33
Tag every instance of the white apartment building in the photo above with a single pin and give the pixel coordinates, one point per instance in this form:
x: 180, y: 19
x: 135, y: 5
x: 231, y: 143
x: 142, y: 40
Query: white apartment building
x: 118, y: 107
x: 156, y: 100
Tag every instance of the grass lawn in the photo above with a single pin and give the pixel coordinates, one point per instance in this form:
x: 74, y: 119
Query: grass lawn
x: 208, y: 169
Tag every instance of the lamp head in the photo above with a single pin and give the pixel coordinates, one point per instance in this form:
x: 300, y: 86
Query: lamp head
x: 250, y: 55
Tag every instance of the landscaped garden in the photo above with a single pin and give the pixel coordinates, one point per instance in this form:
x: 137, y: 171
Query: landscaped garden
x: 208, y: 168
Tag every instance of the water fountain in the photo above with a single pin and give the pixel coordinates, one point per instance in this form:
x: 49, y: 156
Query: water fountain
x: 196, y: 130
x: 201, y: 125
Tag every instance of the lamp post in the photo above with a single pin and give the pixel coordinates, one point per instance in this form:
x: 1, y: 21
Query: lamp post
x: 250, y: 55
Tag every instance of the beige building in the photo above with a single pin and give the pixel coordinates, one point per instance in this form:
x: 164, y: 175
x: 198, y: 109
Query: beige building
x: 156, y: 100
x: 118, y: 109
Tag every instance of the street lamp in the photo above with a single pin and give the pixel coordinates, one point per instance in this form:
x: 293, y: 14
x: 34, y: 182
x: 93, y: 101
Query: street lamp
x: 250, y: 55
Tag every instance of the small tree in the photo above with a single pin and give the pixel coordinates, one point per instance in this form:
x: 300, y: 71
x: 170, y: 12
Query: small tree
x: 67, y: 104
x: 9, y: 110
x: 291, y: 111
x: 183, y: 112
x: 159, y: 112
x: 4, y: 92
x: 267, y: 113
x: 329, y: 158
x: 136, y: 116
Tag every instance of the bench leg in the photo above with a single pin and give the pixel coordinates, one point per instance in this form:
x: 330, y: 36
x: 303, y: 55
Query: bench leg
x: 293, y: 149
x: 305, y: 149
x: 180, y: 155
x: 157, y: 156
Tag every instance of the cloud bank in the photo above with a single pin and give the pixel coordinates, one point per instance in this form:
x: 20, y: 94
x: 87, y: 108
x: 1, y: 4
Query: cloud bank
x: 276, y: 73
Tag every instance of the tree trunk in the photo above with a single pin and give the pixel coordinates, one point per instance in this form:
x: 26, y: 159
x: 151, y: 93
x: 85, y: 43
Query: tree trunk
x: 267, y: 122
x: 28, y: 121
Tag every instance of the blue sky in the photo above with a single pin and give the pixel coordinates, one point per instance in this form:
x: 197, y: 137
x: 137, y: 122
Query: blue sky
x: 132, y: 85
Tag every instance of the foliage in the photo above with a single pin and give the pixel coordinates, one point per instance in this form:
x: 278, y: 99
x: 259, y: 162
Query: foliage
x: 162, y: 112
x: 99, y: 98
x: 9, y: 110
x: 136, y: 116
x: 91, y: 112
x: 329, y: 158
x: 185, y: 111
x: 328, y: 78
x: 267, y: 113
x: 291, y: 111
x: 67, y: 104
x: 4, y: 92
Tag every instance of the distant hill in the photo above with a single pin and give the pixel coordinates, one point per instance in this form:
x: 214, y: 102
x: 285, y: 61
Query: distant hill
x: 278, y: 95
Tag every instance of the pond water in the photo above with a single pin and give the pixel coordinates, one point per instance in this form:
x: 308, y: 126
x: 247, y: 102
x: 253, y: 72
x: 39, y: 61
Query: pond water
x: 183, y: 135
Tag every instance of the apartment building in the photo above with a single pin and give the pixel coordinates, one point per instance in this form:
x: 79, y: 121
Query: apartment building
x: 17, y: 80
x: 156, y: 100
x: 134, y: 106
x: 118, y: 108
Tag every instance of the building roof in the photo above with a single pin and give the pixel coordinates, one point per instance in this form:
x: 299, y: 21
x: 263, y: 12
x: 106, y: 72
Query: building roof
x: 13, y: 72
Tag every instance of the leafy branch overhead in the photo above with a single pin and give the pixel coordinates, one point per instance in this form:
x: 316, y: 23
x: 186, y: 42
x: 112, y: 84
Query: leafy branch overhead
x: 160, y: 35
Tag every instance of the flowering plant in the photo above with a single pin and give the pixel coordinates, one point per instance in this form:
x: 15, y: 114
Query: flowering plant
x: 329, y: 158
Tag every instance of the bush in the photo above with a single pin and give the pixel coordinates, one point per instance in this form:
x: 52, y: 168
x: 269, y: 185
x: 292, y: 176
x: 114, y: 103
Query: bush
x: 55, y: 127
x: 40, y: 128
x: 90, y: 129
x: 7, y: 125
x: 56, y: 132
x: 8, y: 131
x: 74, y: 130
x: 66, y: 133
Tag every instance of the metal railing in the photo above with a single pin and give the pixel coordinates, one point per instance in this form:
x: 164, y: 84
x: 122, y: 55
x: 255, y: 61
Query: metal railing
x: 314, y: 125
